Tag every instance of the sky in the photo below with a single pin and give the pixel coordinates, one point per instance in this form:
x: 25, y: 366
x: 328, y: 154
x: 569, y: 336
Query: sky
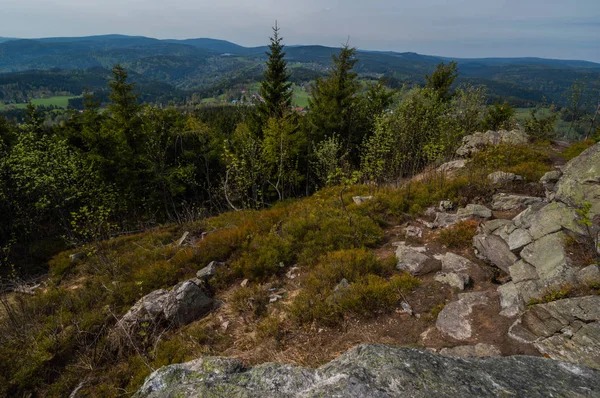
x: 564, y: 29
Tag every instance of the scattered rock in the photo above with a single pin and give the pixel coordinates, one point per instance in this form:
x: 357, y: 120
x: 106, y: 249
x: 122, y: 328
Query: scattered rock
x: 478, y: 141
x: 549, y: 219
x: 413, y: 232
x: 473, y: 210
x: 338, y: 291
x: 414, y: 261
x: 209, y: 271
x: 580, y: 181
x: 548, y: 257
x: 456, y: 280
x: 427, y: 224
x: 371, y: 371
x: 516, y: 238
x: 430, y: 211
x: 495, y: 250
x: 504, y: 201
x: 454, y: 320
x: 77, y: 257
x: 522, y: 271
x: 565, y: 330
x: 589, y: 274
x: 274, y: 298
x: 293, y: 273
x: 359, y: 200
x: 468, y: 351
x: 244, y: 283
x: 452, y: 166
x: 446, y: 205
x: 500, y: 177
x: 444, y: 220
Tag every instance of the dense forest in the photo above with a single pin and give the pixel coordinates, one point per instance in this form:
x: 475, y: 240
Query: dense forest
x: 123, y: 165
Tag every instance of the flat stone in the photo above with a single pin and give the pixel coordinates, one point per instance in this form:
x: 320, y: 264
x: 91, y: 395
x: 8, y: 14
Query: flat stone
x: 453, y: 165
x: 456, y: 280
x: 505, y: 202
x: 468, y: 351
x: 444, y: 220
x: 454, y: 320
x: 552, y: 218
x: 518, y: 239
x: 494, y: 250
x: 376, y: 371
x: 446, y: 205
x: 548, y: 256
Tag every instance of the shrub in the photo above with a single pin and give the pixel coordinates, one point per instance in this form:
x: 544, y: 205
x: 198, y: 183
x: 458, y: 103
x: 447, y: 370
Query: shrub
x: 250, y: 300
x: 458, y: 236
x: 576, y: 148
x: 553, y: 294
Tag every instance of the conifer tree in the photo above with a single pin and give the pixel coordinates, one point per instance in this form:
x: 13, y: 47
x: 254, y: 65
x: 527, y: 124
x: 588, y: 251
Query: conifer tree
x: 334, y: 97
x: 275, y: 88
x: 441, y: 79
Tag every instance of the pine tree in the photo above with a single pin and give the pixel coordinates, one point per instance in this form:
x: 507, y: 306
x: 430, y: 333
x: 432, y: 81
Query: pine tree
x: 334, y: 97
x: 441, y: 79
x: 275, y: 88
x: 124, y: 106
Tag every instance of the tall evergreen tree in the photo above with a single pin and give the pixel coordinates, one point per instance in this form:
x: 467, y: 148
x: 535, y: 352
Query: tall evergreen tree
x: 442, y: 78
x: 275, y: 88
x: 124, y: 106
x: 334, y: 97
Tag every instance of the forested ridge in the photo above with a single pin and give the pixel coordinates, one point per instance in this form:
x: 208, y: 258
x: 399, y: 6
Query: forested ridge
x: 265, y: 185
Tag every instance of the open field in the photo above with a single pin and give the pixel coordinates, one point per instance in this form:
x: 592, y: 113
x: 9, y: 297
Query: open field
x: 58, y: 101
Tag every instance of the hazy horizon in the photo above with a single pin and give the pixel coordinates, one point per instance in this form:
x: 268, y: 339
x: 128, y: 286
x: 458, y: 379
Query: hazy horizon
x: 469, y: 29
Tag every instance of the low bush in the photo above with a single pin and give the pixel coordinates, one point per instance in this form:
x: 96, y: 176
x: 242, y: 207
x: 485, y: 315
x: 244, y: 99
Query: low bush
x: 459, y: 236
x: 576, y: 148
x: 250, y: 300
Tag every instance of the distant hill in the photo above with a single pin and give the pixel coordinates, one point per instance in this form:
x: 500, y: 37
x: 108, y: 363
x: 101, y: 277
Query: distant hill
x: 209, y: 64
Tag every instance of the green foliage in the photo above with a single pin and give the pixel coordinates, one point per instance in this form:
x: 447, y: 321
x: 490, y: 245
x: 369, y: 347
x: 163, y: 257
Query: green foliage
x: 250, y: 300
x: 576, y: 148
x: 531, y: 163
x: 499, y: 117
x: 468, y: 104
x: 442, y: 78
x: 459, y: 236
x: 540, y: 128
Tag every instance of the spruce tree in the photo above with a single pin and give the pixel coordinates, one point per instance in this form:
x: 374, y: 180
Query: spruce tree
x: 334, y: 97
x: 275, y: 88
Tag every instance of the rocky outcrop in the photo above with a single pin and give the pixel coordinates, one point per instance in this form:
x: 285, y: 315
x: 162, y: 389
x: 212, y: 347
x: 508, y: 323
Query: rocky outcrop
x: 505, y: 201
x: 209, y: 271
x: 454, y: 319
x: 478, y: 141
x: 452, y: 166
x: 494, y: 250
x: 185, y: 303
x: 414, y: 260
x: 566, y: 330
x: 580, y: 181
x: 380, y: 371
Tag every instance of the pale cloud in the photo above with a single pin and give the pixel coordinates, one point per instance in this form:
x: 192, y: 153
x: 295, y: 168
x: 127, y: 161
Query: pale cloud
x: 462, y: 28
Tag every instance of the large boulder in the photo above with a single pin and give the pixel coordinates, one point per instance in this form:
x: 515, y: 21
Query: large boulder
x: 376, y: 371
x: 468, y: 351
x: 566, y: 330
x: 580, y: 182
x: 478, y: 141
x: 185, y: 303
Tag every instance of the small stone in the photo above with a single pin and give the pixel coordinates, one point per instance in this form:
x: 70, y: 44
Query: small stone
x: 494, y: 250
x: 430, y: 211
x: 244, y: 283
x: 489, y: 227
x: 452, y: 166
x: 359, y: 200
x: 77, y: 257
x: 414, y: 261
x: 292, y: 273
x: 467, y: 351
x: 522, y: 271
x: 504, y: 201
x: 413, y: 232
x: 551, y: 177
x: 275, y: 297
x: 444, y: 220
x: 446, y: 205
x: 406, y: 308
x: 225, y: 325
x: 454, y: 321
x: 183, y: 238
x: 454, y: 263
